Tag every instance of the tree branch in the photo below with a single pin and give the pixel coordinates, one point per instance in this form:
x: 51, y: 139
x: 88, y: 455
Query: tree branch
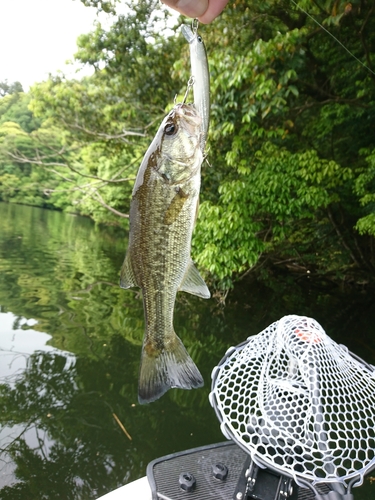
x: 39, y: 160
x: 98, y: 198
x: 94, y: 195
x: 341, y: 238
x: 102, y: 135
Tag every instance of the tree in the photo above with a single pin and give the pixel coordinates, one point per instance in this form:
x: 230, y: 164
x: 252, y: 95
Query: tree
x: 290, y: 124
x: 291, y: 140
x: 15, y: 108
x: 107, y: 120
x: 10, y: 88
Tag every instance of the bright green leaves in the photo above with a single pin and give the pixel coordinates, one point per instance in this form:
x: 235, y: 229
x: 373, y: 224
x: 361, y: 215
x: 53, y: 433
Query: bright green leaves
x: 105, y: 122
x: 291, y: 113
x: 15, y: 108
x: 221, y: 239
x: 254, y: 86
x: 262, y: 211
x: 292, y: 109
x: 365, y: 189
x: 20, y: 181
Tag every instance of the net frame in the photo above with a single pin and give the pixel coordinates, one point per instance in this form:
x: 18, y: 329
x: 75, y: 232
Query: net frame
x: 298, y: 403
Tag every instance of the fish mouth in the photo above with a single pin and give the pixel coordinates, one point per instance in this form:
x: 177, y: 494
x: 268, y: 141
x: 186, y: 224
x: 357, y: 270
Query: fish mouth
x: 188, y: 118
x: 187, y: 114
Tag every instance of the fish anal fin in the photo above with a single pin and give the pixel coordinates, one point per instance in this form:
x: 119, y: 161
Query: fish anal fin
x: 127, y: 278
x: 164, y: 368
x: 193, y: 283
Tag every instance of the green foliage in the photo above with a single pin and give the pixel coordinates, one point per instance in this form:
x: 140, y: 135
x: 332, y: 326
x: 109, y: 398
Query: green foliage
x: 291, y: 146
x: 106, y: 121
x: 108, y: 6
x: 19, y: 181
x: 290, y: 116
x: 133, y: 59
x: 15, y: 108
x: 265, y: 210
x: 10, y: 88
x: 365, y: 188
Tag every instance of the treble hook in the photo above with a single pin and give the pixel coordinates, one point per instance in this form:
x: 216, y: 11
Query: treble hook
x: 190, y: 83
x: 194, y: 26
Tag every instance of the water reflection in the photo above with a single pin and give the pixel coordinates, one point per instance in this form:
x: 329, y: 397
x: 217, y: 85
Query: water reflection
x: 76, y: 364
x: 18, y: 342
x: 63, y: 272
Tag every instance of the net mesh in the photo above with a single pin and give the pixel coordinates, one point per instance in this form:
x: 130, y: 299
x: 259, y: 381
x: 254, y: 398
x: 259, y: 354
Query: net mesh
x: 298, y: 402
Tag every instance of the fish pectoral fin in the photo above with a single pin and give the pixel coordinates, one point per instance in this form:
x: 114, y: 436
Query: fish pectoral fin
x: 193, y: 283
x: 175, y: 207
x: 127, y: 278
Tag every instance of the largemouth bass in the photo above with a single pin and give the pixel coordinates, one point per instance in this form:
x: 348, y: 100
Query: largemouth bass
x: 162, y: 216
x: 201, y: 76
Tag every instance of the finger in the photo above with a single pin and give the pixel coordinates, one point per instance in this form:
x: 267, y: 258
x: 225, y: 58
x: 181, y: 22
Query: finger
x: 215, y: 8
x: 189, y: 8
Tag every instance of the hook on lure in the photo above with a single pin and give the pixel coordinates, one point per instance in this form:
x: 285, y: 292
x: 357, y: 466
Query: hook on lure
x: 190, y: 85
x: 194, y: 26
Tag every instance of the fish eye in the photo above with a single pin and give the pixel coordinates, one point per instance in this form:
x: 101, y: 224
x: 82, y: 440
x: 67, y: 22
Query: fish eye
x: 199, y: 38
x: 170, y: 129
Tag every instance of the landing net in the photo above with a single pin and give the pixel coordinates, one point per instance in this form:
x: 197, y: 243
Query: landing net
x: 298, y: 402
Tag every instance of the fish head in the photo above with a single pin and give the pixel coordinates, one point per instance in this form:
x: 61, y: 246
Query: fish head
x: 179, y: 155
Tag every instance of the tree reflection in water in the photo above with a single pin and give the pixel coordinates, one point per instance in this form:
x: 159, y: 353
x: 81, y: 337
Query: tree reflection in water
x: 77, y: 446
x: 59, y: 438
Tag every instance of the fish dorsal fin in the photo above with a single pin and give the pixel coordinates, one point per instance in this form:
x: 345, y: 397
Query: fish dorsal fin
x: 193, y: 282
x: 127, y: 278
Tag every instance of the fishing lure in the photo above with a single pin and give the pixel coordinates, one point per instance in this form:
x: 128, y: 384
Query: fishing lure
x: 201, y: 77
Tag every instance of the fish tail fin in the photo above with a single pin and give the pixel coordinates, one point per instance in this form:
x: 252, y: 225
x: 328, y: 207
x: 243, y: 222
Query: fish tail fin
x: 162, y: 369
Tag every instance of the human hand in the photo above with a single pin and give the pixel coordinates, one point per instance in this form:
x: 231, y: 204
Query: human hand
x: 204, y: 10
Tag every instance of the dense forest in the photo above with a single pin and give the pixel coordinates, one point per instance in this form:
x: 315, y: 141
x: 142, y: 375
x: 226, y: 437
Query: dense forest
x: 289, y: 182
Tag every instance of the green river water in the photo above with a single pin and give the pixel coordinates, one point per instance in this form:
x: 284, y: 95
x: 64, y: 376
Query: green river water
x: 70, y: 342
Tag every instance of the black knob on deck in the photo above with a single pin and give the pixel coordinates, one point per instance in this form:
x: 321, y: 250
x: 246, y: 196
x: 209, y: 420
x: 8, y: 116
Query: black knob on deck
x: 187, y: 481
x: 220, y: 471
